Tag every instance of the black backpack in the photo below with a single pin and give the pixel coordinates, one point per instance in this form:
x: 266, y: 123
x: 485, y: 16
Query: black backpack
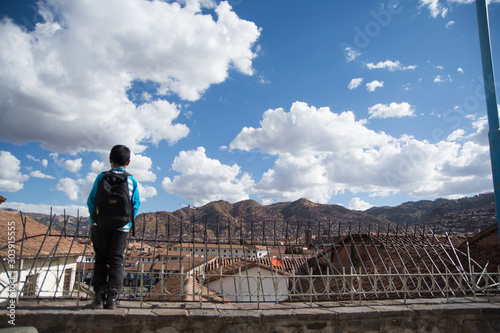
x: 113, y: 209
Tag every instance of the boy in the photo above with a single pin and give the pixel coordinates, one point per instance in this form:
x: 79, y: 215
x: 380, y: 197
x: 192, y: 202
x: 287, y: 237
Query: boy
x: 109, y: 245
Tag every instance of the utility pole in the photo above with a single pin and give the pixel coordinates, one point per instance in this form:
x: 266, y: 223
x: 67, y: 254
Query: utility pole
x: 491, y: 99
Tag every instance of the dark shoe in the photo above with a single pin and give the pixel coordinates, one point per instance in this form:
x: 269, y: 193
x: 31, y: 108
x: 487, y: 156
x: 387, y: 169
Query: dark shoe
x: 111, y: 302
x: 98, y: 302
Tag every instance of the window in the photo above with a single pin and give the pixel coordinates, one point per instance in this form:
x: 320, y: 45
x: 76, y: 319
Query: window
x: 29, y: 288
x: 67, y: 281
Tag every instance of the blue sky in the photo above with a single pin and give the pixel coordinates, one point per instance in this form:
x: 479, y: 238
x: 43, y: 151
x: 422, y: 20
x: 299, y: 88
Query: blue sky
x: 357, y: 103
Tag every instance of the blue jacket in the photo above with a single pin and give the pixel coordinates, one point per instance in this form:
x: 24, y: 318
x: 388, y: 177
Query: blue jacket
x: 133, y: 192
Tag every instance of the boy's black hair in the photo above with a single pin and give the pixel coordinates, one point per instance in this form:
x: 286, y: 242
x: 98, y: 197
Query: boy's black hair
x: 120, y: 155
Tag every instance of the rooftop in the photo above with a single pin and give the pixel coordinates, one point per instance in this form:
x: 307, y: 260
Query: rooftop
x: 365, y: 276
x: 33, y: 239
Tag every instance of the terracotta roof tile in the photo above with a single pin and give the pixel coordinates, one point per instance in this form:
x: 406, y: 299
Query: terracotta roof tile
x: 484, y: 248
x: 33, y: 238
x: 235, y: 265
x: 415, y: 255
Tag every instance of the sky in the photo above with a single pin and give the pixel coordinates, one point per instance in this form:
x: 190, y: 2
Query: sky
x: 358, y: 103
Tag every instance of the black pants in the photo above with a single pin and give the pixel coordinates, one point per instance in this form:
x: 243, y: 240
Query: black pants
x: 109, y: 247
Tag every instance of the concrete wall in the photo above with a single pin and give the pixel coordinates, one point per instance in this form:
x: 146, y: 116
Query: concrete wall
x: 436, y: 316
x: 247, y: 284
x: 50, y: 280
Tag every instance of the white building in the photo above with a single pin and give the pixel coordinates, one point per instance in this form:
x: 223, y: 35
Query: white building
x: 219, y: 250
x: 36, y: 261
x: 248, y: 281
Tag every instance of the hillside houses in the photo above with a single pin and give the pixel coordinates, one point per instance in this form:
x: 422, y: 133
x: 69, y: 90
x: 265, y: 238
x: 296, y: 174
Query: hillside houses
x: 394, y: 263
x: 468, y: 222
x: 221, y: 250
x: 368, y: 266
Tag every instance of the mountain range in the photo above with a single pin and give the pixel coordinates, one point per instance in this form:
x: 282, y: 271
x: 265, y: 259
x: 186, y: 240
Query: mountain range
x: 248, y: 216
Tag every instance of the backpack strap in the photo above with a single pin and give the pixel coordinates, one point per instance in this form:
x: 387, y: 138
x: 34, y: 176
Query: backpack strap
x: 133, y: 224
x: 131, y: 204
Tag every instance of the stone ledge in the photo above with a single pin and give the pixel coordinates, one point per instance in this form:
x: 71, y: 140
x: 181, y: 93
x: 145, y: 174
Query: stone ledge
x: 373, y: 316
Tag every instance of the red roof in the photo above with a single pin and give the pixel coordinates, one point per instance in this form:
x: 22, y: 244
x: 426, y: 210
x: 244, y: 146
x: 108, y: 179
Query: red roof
x: 33, y: 239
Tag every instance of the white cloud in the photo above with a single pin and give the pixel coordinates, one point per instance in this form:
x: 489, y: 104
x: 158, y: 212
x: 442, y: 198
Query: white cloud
x: 43, y: 162
x: 393, y: 110
x: 460, y: 70
x: 482, y: 127
x: 440, y: 79
x: 435, y: 8
x: 73, y: 165
x: 463, y: 1
x: 72, y: 210
x: 449, y: 24
x: 470, y: 1
x: 70, y: 187
x: 39, y: 174
x: 97, y: 166
x: 11, y: 178
x: 390, y: 65
x: 140, y: 167
x: 456, y: 135
x: 146, y: 192
x: 351, y: 54
x: 321, y: 153
x: 356, y: 82
x: 305, y: 129
x: 371, y: 86
x: 263, y: 80
x: 294, y: 177
x: 203, y: 179
x: 76, y: 66
x: 157, y: 116
x: 87, y: 183
x: 358, y: 204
